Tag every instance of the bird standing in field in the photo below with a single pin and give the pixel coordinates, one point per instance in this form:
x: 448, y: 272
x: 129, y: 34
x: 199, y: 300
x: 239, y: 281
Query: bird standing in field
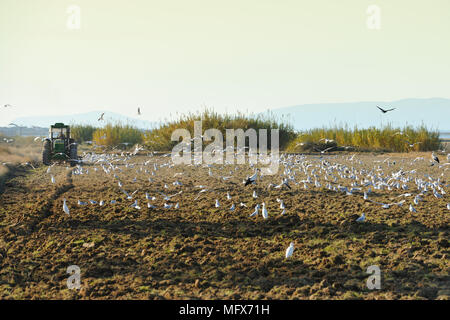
x: 65, y: 207
x: 264, y: 211
x: 362, y: 218
x: 290, y: 250
x: 434, y: 157
x: 385, y: 110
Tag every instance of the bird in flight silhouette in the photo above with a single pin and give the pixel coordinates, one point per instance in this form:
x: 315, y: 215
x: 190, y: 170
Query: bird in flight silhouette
x: 384, y: 111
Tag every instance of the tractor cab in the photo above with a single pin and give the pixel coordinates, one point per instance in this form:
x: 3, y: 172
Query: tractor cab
x: 59, y: 145
x: 58, y: 134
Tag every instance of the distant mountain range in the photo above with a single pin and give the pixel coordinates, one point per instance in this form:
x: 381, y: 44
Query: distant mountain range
x: 90, y: 118
x: 434, y: 113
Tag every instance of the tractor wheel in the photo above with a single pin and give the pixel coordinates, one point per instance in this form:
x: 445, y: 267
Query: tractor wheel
x: 46, y: 153
x: 73, y: 155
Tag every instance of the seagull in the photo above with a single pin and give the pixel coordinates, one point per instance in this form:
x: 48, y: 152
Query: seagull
x: 81, y: 203
x: 232, y: 207
x: 384, y: 111
x: 448, y: 206
x: 101, y: 117
x: 251, y: 179
x: 256, y: 211
x: 53, y: 179
x: 411, y: 145
x: 434, y: 157
x: 135, y: 205
x: 289, y: 250
x: 264, y: 211
x: 65, y: 207
x: 254, y: 194
x: 217, y: 203
x: 412, y: 209
x: 139, y: 111
x: 7, y: 105
x: 362, y: 218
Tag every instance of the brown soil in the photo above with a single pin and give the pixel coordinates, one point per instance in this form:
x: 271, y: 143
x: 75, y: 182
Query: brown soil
x: 202, y: 252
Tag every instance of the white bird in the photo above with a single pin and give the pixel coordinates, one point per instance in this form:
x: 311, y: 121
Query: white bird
x: 113, y: 201
x: 362, y: 218
x: 135, y: 205
x: 282, y: 206
x: 232, y: 207
x: 251, y: 179
x: 53, y: 179
x: 167, y: 206
x: 412, y: 209
x: 434, y: 157
x: 448, y: 206
x: 228, y: 196
x: 65, y: 207
x: 284, y: 211
x: 264, y: 211
x: 290, y: 250
x: 81, y: 203
x: 177, y: 205
x: 217, y: 203
x: 150, y: 206
x: 254, y: 194
x: 102, y: 203
x: 256, y: 211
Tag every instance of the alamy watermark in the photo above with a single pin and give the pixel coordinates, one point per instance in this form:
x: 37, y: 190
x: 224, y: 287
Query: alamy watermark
x: 74, y: 18
x: 74, y: 281
x: 216, y: 153
x: 374, y: 281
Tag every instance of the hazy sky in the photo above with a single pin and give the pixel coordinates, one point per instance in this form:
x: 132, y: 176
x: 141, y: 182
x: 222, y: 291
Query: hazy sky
x: 183, y: 55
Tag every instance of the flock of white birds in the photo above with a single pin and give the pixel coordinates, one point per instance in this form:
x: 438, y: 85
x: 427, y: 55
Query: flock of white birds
x: 346, y: 174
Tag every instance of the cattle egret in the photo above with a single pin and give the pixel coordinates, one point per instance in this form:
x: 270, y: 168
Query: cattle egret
x: 290, y: 250
x: 65, y: 207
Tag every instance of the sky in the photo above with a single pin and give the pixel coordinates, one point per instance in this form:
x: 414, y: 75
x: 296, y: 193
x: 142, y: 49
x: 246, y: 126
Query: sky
x: 250, y: 55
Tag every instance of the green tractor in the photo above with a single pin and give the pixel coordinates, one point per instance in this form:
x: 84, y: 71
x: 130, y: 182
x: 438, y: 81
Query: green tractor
x: 59, y: 146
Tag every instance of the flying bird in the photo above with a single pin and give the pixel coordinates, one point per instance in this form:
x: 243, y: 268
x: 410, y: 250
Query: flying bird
x: 384, y: 111
x: 139, y: 111
x: 251, y: 179
x: 101, y: 117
